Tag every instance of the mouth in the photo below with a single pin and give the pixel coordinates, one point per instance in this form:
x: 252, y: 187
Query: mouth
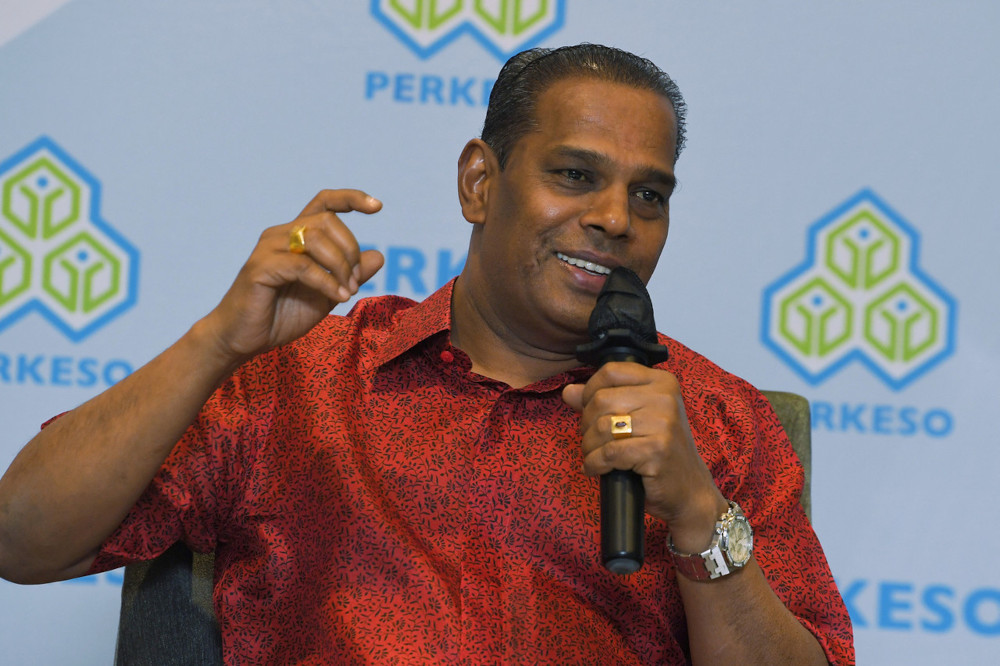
x: 589, y: 266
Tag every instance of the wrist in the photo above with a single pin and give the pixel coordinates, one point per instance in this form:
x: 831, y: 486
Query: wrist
x: 214, y: 357
x: 692, y: 531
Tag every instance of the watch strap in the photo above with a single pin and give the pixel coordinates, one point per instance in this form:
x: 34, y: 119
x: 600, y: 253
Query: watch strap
x: 707, y: 565
x: 713, y: 562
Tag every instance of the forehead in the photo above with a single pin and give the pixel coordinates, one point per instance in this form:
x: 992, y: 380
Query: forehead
x: 579, y: 107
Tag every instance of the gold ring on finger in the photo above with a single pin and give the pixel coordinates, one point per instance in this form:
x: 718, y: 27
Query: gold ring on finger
x: 621, y: 426
x: 297, y: 240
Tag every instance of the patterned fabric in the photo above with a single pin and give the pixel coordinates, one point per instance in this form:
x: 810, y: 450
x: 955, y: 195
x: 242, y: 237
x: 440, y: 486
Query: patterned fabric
x: 373, y: 501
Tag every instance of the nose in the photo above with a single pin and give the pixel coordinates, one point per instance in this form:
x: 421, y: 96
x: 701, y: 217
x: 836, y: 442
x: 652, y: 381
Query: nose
x: 609, y: 212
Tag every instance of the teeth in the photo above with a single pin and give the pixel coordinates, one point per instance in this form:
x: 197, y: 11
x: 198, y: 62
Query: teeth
x: 587, y: 265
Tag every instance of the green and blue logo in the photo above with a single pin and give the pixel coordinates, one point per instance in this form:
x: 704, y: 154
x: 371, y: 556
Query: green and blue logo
x: 860, y: 295
x: 503, y: 27
x: 57, y: 256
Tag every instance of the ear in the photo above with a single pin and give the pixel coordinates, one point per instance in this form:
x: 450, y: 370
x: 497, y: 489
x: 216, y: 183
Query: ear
x: 477, y: 166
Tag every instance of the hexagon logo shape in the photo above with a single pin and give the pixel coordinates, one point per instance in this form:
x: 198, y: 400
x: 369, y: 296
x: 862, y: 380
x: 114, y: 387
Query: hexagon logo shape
x: 502, y: 27
x: 860, y: 295
x: 58, y: 257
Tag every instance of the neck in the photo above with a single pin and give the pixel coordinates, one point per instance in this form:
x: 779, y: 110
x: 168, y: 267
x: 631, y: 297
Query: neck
x: 496, y: 350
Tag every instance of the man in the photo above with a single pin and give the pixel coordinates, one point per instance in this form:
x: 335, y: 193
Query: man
x: 404, y: 484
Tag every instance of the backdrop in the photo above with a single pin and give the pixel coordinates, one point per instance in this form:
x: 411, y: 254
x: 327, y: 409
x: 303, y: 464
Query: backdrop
x: 835, y: 233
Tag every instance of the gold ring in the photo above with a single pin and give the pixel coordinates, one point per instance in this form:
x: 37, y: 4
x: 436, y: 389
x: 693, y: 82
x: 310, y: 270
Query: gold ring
x: 297, y: 240
x: 621, y: 426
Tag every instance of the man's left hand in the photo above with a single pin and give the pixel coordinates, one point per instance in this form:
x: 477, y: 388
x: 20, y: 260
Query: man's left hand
x: 679, y: 486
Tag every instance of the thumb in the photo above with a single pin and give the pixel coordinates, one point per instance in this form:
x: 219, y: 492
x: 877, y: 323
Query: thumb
x: 572, y: 395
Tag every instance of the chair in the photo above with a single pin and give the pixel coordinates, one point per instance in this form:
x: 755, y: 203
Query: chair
x: 793, y: 412
x: 167, y: 616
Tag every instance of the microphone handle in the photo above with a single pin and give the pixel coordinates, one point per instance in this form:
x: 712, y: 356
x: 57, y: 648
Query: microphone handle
x: 623, y: 506
x: 623, y: 529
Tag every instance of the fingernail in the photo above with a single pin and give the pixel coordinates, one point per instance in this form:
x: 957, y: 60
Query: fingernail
x: 344, y: 294
x: 357, y: 272
x: 353, y: 284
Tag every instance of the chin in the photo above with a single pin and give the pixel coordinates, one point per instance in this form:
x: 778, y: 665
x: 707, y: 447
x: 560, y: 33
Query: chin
x: 576, y: 329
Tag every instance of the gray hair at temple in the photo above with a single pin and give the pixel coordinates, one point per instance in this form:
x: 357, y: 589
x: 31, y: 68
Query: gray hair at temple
x: 511, y: 112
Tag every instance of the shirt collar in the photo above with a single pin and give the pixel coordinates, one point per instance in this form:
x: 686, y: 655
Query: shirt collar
x: 432, y: 316
x: 418, y: 323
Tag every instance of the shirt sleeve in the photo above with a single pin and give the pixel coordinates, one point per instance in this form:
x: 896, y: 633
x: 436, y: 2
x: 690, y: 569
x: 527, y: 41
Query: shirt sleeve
x: 192, y: 495
x: 756, y: 466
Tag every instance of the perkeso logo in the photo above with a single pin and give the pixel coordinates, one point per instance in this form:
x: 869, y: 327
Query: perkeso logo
x: 860, y: 295
x: 57, y: 256
x: 503, y: 27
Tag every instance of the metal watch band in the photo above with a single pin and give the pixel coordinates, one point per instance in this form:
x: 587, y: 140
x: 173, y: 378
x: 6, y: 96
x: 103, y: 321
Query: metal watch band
x: 707, y: 565
x: 711, y: 563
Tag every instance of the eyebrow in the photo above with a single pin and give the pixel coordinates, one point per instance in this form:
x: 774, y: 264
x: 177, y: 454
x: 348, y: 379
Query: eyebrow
x: 595, y: 157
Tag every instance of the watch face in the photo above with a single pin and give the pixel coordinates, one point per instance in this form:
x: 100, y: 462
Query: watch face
x: 739, y: 542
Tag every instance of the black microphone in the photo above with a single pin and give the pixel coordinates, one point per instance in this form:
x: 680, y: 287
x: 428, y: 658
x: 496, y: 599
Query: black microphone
x: 622, y: 329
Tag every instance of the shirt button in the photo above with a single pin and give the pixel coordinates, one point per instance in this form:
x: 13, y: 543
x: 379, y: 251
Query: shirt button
x: 447, y: 356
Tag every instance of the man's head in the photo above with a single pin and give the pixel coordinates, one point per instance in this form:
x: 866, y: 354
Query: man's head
x: 586, y: 187
x: 513, y: 101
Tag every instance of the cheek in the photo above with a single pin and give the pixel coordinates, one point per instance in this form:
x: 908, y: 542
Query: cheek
x: 550, y: 213
x: 650, y: 253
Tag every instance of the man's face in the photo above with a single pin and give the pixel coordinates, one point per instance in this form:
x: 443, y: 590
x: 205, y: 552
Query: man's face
x: 587, y: 190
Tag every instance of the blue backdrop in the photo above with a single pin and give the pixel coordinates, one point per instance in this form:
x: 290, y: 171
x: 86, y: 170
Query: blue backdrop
x: 834, y: 233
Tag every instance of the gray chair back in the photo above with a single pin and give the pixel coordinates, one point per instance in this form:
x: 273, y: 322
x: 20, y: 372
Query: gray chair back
x: 793, y: 412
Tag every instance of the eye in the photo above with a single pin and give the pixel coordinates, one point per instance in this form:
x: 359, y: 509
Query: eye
x: 647, y: 195
x: 574, y: 174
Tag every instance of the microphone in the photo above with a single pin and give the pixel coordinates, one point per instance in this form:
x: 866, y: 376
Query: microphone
x: 621, y: 328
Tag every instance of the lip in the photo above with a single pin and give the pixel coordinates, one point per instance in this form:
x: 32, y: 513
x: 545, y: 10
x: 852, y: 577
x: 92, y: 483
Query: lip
x: 588, y: 280
x: 602, y: 260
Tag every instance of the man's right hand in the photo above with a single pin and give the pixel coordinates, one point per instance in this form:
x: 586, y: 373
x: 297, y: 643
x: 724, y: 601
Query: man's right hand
x: 73, y: 484
x: 280, y: 295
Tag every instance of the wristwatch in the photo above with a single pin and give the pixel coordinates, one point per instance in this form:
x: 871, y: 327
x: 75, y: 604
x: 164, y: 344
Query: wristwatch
x: 730, y: 550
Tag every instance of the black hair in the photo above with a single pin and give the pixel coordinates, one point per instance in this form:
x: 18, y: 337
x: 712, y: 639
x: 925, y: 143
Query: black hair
x: 511, y: 111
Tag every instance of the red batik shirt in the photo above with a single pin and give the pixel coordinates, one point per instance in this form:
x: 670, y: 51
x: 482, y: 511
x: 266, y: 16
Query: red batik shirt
x: 370, y: 500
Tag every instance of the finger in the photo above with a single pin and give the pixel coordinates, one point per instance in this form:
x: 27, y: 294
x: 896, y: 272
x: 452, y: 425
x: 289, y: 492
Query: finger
x: 600, y: 460
x: 316, y: 277
x: 659, y: 391
x: 601, y: 430
x: 287, y: 269
x: 572, y: 395
x: 616, y: 374
x: 289, y: 251
x: 616, y: 400
x: 333, y: 246
x: 637, y: 454
x: 370, y: 264
x: 313, y: 273
x: 342, y: 201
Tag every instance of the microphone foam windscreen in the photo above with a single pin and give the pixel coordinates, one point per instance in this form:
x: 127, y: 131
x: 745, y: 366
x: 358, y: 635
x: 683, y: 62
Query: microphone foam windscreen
x: 623, y: 303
